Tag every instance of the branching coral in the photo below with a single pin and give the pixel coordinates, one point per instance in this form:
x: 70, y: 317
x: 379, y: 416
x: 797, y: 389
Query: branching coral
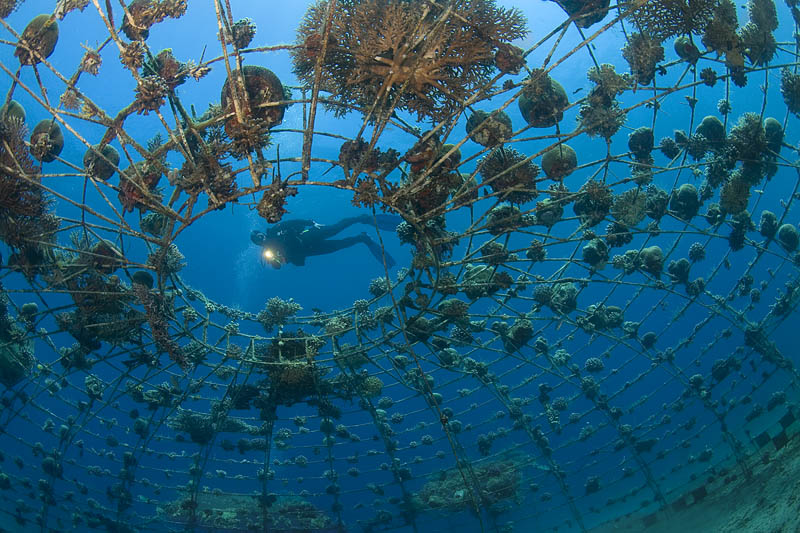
x: 734, y: 196
x: 150, y: 94
x: 509, y: 175
x: 167, y: 260
x: 790, y: 89
x: 354, y: 155
x: 140, y: 15
x: 408, y: 55
x: 593, y: 203
x: 158, y: 312
x: 277, y: 312
x: 65, y: 6
x: 271, y: 206
x: 663, y: 19
x: 207, y: 174
x: 24, y: 219
x: 643, y: 54
x: 720, y: 32
x: 243, y: 31
x: 600, y: 113
x: 629, y: 207
x: 749, y: 143
x: 494, y: 482
x: 137, y: 185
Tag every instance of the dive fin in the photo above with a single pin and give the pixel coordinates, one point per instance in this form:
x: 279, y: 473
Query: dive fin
x: 376, y: 251
x: 388, y: 222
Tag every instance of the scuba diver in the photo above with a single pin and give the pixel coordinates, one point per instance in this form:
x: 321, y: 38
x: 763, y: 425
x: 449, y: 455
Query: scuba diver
x: 292, y: 241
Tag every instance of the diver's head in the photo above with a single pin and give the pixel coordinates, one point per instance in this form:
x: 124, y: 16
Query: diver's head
x: 272, y: 256
x: 258, y: 237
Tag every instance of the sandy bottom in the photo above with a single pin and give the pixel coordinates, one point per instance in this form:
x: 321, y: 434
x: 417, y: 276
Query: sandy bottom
x: 767, y: 502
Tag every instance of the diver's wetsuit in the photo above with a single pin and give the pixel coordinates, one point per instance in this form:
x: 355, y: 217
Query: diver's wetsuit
x: 294, y: 240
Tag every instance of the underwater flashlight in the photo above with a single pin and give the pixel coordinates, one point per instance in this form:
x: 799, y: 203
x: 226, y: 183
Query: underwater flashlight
x: 272, y: 258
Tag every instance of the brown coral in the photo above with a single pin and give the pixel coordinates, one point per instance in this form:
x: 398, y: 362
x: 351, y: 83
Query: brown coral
x: 410, y: 55
x: 663, y: 19
x: 8, y: 6
x: 91, y: 61
x: 23, y: 206
x: 510, y: 175
x: 38, y: 40
x: 260, y: 108
x: 150, y: 94
x: 271, y: 207
x: 643, y: 54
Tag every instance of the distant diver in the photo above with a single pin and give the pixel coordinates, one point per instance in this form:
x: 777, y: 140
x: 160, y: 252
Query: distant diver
x: 292, y: 241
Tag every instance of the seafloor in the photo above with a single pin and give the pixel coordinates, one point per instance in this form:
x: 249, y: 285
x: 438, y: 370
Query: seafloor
x: 768, y: 501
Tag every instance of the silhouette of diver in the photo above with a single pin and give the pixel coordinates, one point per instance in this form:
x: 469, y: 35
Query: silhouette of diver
x: 292, y: 241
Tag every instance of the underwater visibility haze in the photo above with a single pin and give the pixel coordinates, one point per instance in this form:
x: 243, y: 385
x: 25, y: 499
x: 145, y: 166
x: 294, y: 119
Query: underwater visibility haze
x: 399, y: 265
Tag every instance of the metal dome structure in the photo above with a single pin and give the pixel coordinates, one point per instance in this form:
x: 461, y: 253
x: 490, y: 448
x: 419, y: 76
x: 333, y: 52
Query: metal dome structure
x: 592, y: 325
